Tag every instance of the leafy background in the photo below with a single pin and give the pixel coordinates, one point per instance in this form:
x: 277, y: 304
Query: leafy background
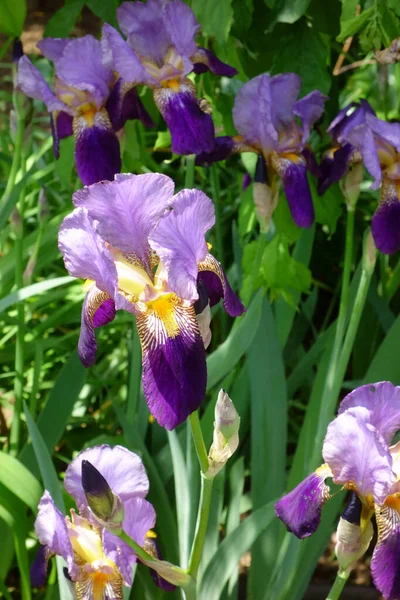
x: 273, y: 361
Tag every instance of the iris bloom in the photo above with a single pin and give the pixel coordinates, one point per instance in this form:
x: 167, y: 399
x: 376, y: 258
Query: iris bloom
x: 358, y: 135
x: 358, y: 456
x: 98, y: 562
x: 160, y: 52
x: 266, y: 113
x: 144, y: 251
x: 88, y: 101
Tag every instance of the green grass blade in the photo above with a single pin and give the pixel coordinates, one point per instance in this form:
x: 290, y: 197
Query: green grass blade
x: 33, y: 290
x: 20, y: 481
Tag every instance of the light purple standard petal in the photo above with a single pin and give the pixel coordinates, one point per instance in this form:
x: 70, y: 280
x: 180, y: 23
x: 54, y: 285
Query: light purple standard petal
x: 382, y: 400
x: 179, y: 240
x: 296, y: 188
x: 349, y: 117
x: 386, y: 556
x: 32, y: 83
x: 309, y: 109
x: 174, y: 365
x: 144, y: 26
x: 139, y: 518
x: 182, y: 26
x: 205, y: 60
x: 84, y: 253
x: 98, y: 309
x: 285, y: 88
x: 390, y: 132
x: 53, y: 48
x: 97, y: 152
x: 123, y: 470
x: 127, y: 209
x: 300, y: 510
x: 61, y: 127
x: 358, y: 455
x: 361, y: 137
x: 118, y: 56
x: 81, y: 67
x: 386, y: 226
x: 192, y: 129
x: 51, y: 530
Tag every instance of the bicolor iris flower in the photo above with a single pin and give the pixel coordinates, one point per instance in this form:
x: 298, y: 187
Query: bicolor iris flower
x: 358, y: 456
x: 87, y: 101
x: 358, y: 135
x: 144, y: 250
x: 99, y: 564
x: 160, y: 52
x: 265, y: 114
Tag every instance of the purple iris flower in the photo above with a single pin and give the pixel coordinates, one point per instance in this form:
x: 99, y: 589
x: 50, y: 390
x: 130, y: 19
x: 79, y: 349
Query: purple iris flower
x: 144, y: 250
x: 266, y: 113
x: 358, y: 135
x: 88, y: 101
x: 358, y: 456
x: 160, y: 52
x: 98, y: 562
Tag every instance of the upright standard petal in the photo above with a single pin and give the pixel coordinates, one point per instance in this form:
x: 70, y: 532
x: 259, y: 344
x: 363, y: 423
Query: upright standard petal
x: 205, y: 60
x: 32, y: 83
x: 118, y: 56
x: 212, y: 275
x: 98, y: 309
x: 53, y: 48
x: 382, y: 400
x: 174, y: 362
x: 300, y: 510
x: 139, y: 518
x: 386, y: 557
x: 97, y: 153
x: 179, y: 240
x: 84, y: 252
x: 309, y: 108
x: 361, y: 137
x: 293, y: 173
x: 386, y: 226
x: 192, y: 129
x: 81, y: 67
x: 123, y: 470
x: 182, y: 26
x: 358, y: 456
x: 285, y: 88
x: 127, y: 209
x: 52, y: 532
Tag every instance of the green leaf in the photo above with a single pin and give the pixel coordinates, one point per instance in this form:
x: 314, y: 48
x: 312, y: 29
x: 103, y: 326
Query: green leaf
x: 63, y: 21
x: 328, y: 207
x: 163, y: 140
x: 289, y: 11
x: 20, y: 481
x: 226, y: 559
x: 383, y: 367
x: 215, y: 17
x: 65, y: 163
x: 182, y: 495
x: 33, y: 290
x: 12, y: 17
x: 353, y: 25
x: 105, y: 10
x: 283, y: 220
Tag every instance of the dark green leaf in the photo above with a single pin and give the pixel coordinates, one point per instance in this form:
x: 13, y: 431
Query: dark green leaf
x: 215, y: 17
x: 105, y: 10
x: 12, y: 17
x: 63, y: 21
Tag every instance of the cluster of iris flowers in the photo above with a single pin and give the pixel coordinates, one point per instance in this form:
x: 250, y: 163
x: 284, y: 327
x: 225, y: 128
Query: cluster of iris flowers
x: 143, y: 249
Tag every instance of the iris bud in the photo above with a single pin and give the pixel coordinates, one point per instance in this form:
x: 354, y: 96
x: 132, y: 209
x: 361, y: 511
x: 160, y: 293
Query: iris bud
x: 104, y: 504
x: 227, y: 420
x: 265, y: 195
x: 351, y: 184
x: 352, y: 539
x: 369, y: 252
x: 226, y: 437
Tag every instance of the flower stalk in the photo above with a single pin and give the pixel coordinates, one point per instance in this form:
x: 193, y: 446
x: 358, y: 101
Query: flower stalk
x: 338, y: 585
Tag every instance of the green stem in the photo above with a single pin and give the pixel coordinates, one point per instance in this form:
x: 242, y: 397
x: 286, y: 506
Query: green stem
x: 19, y: 140
x: 189, y: 175
x: 199, y: 441
x: 20, y: 339
x: 201, y: 526
x: 338, y: 585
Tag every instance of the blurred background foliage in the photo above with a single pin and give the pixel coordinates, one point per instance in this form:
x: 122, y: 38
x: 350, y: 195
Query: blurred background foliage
x: 273, y: 361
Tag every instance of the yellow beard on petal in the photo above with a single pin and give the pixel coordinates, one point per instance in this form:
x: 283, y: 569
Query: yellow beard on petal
x: 164, y: 308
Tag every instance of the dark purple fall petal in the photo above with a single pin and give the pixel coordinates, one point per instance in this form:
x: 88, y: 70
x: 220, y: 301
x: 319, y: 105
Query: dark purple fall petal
x: 97, y: 153
x: 61, y: 127
x: 300, y: 510
x: 386, y: 558
x: 222, y: 148
x: 386, y: 227
x: 213, y: 276
x: 192, y: 130
x: 205, y: 60
x: 38, y: 570
x: 174, y: 366
x: 297, y: 191
x: 311, y: 161
x: 98, y: 309
x: 333, y: 169
x: 124, y: 104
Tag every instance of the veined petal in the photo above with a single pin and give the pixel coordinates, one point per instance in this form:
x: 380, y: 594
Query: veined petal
x: 386, y: 220
x: 213, y: 277
x: 139, y: 518
x: 358, y: 456
x: 32, y: 83
x: 100, y: 583
x: 61, y: 127
x: 179, y: 240
x: 205, y: 60
x: 295, y: 185
x: 123, y: 104
x: 333, y: 168
x: 300, y: 510
x: 309, y: 108
x: 127, y: 209
x: 97, y: 153
x: 53, y: 48
x: 52, y: 532
x: 192, y: 129
x: 174, y: 362
x: 382, y: 400
x: 182, y: 26
x: 118, y: 56
x: 81, y: 67
x: 386, y: 557
x: 98, y: 309
x: 361, y: 137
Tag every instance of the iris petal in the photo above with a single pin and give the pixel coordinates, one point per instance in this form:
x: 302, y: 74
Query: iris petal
x: 386, y: 557
x: 98, y: 309
x: 296, y: 188
x: 217, y: 284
